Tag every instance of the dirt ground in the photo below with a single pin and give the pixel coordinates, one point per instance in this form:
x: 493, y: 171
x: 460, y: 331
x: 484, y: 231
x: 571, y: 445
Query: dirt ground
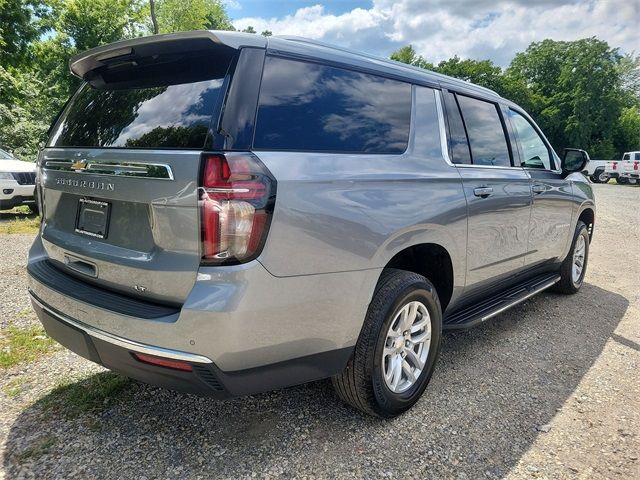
x: 549, y: 389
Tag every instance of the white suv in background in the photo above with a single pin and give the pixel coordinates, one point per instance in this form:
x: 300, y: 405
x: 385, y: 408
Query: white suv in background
x: 17, y: 182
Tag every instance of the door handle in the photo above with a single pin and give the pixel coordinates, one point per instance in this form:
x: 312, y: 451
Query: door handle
x: 538, y: 188
x: 483, y: 192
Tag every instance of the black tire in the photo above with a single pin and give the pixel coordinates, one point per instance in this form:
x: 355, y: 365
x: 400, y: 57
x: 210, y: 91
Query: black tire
x: 632, y: 181
x: 567, y: 285
x: 362, y: 383
x: 599, y: 176
x: 622, y: 181
x: 34, y: 209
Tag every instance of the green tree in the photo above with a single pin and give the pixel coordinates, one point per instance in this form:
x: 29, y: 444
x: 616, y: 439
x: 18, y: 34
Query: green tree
x: 19, y: 26
x: 90, y: 23
x: 249, y: 29
x: 577, y: 92
x: 627, y: 133
x: 266, y: 33
x: 409, y: 56
x: 629, y: 70
x: 582, y: 93
x: 480, y: 72
x: 183, y: 15
x: 22, y: 127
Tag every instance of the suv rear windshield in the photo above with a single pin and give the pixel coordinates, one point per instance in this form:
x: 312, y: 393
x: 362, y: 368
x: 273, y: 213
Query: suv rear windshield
x: 166, y: 114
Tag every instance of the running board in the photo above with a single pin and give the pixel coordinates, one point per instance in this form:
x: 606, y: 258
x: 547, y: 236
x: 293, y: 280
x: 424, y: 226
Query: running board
x: 492, y: 306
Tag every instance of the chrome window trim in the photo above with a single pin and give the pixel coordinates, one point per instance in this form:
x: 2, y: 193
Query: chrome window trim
x: 445, y: 146
x: 500, y: 167
x: 123, y: 169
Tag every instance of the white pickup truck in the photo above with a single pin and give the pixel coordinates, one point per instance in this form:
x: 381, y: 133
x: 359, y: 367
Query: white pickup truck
x: 595, y: 170
x: 625, y: 171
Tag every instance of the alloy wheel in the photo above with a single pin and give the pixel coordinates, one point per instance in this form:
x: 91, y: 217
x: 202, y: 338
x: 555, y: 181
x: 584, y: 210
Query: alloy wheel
x: 406, y: 347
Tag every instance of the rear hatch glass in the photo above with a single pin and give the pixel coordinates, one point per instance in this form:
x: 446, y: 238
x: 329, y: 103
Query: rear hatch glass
x: 172, y: 110
x: 121, y: 172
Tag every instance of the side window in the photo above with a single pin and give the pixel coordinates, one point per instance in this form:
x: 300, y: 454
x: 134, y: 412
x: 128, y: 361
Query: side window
x: 313, y: 107
x: 485, y: 131
x: 626, y: 157
x: 457, y: 136
x: 427, y: 124
x: 535, y: 153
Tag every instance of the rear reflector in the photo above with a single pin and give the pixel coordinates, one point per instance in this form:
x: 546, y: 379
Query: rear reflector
x: 236, y: 201
x: 163, y: 362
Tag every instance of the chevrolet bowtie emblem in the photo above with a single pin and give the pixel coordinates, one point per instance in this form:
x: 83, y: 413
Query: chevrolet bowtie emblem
x: 79, y: 165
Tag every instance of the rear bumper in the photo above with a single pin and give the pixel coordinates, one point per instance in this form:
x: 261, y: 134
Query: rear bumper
x: 252, y: 331
x: 117, y: 354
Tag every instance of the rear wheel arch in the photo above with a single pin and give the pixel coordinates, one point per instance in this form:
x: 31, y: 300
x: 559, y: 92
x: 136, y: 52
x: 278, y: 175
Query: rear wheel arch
x: 433, y: 262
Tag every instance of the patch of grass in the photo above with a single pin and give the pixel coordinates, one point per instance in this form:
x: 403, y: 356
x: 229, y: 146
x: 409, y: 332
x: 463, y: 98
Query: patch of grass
x: 41, y: 446
x: 20, y: 210
x: 21, y: 225
x: 90, y: 395
x: 14, y: 387
x: 21, y: 345
x: 26, y: 312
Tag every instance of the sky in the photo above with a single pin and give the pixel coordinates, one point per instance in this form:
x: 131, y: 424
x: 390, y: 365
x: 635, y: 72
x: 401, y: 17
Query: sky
x: 440, y: 29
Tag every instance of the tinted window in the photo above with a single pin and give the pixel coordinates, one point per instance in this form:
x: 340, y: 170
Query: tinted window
x: 626, y: 157
x: 175, y: 116
x: 306, y: 106
x: 535, y: 153
x: 486, y: 134
x: 427, y: 136
x: 457, y: 136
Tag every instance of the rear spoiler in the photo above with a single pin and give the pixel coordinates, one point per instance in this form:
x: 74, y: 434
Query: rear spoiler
x: 89, y: 65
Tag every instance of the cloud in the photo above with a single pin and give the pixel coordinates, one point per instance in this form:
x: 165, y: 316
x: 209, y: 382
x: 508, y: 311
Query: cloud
x: 232, y: 4
x: 467, y: 28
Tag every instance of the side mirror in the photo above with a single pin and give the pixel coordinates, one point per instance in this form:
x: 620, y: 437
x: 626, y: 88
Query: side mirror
x: 574, y: 160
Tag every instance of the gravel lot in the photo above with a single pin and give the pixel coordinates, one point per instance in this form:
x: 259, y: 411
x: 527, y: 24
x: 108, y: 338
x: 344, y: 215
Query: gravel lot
x: 549, y: 389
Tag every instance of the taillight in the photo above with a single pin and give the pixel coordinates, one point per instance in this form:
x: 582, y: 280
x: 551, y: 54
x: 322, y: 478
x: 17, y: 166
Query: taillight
x: 237, y: 195
x: 636, y: 165
x: 614, y: 165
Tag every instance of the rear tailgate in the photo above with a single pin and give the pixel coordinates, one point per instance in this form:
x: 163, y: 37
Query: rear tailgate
x: 150, y: 242
x: 120, y: 173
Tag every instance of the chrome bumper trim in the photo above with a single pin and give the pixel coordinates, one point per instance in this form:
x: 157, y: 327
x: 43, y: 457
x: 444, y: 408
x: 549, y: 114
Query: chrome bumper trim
x: 120, y: 341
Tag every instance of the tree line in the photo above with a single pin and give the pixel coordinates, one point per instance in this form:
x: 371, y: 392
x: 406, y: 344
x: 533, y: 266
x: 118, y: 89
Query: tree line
x: 584, y: 94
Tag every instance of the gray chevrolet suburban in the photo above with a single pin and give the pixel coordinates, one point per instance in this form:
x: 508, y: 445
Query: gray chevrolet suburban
x: 226, y: 214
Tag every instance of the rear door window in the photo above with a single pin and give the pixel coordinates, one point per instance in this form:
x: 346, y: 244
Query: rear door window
x: 313, y: 107
x: 485, y: 131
